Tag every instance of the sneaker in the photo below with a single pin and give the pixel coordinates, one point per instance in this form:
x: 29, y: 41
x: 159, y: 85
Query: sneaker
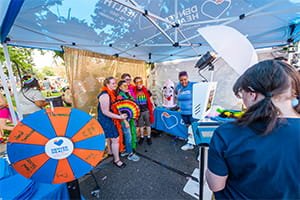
x: 133, y: 157
x: 187, y: 146
x: 141, y: 140
x: 149, y: 141
x: 123, y: 154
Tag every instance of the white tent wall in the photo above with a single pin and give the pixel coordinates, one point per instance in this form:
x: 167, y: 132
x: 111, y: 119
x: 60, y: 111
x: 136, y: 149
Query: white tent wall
x: 223, y: 74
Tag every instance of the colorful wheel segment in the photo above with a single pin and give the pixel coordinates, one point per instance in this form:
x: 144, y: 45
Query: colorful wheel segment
x: 56, y: 146
x: 128, y: 107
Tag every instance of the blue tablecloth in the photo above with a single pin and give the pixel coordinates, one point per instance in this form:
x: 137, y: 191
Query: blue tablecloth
x: 15, y: 186
x: 169, y: 122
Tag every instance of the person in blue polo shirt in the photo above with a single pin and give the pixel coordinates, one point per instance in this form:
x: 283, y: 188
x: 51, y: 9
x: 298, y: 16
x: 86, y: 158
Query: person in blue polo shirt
x: 258, y: 156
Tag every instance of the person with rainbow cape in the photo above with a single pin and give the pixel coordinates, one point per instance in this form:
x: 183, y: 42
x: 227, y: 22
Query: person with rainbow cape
x: 110, y: 119
x: 143, y: 99
x: 128, y: 126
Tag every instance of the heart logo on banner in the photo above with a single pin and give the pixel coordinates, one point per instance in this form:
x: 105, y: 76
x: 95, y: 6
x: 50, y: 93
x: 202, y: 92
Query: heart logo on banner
x: 215, y: 9
x: 59, y: 142
x: 170, y: 121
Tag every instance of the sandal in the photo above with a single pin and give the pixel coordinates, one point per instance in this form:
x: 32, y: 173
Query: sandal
x: 119, y: 166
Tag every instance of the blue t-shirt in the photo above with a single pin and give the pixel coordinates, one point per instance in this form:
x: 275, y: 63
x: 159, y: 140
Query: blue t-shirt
x: 258, y: 167
x: 185, y: 98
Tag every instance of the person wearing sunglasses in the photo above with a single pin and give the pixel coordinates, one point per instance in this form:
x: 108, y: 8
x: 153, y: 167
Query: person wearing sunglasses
x: 258, y: 156
x: 30, y: 96
x: 128, y: 125
x: 143, y: 99
x: 127, y: 78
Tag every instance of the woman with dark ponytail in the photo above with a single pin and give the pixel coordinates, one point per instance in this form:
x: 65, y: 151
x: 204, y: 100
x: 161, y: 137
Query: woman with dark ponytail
x: 258, y: 156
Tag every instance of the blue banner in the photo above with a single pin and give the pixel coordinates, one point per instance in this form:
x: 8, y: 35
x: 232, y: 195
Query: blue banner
x: 170, y: 122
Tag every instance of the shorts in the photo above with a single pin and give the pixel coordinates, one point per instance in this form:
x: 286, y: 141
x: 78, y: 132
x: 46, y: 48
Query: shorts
x: 144, y: 119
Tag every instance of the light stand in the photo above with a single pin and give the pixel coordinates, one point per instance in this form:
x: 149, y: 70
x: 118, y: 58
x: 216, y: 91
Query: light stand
x: 206, y: 61
x: 211, y: 68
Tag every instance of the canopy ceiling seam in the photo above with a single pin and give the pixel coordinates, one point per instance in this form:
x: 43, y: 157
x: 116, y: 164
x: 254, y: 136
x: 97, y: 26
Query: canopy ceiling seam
x: 208, y: 21
x: 37, y: 32
x: 172, y: 54
x: 53, y: 43
x: 121, y: 50
x: 254, y: 11
x: 267, y: 32
x: 159, y: 28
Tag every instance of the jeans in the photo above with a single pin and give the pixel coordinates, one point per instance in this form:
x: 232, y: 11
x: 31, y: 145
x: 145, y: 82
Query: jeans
x: 127, y: 137
x: 188, y: 119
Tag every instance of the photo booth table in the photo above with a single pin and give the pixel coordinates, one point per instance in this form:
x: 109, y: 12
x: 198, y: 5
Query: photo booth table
x: 170, y: 122
x: 15, y: 186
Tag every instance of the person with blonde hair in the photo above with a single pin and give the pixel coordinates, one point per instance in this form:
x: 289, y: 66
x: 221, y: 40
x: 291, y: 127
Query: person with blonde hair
x: 258, y: 156
x: 110, y: 119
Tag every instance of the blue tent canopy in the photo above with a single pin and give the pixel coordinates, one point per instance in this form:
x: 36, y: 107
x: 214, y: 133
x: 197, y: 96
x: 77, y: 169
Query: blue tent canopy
x: 147, y: 30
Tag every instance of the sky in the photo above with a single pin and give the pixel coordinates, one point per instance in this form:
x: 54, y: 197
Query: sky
x: 41, y: 61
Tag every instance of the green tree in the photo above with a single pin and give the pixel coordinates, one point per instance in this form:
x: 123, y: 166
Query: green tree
x: 48, y: 71
x: 21, y: 57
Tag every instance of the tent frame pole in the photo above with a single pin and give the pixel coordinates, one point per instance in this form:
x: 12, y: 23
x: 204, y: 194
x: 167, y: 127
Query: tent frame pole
x: 160, y: 29
x: 195, y: 50
x: 150, y: 16
x: 13, y: 86
x: 176, y: 20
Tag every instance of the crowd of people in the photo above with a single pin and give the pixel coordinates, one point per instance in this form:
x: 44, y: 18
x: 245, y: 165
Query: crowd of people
x: 256, y: 157
x: 121, y: 132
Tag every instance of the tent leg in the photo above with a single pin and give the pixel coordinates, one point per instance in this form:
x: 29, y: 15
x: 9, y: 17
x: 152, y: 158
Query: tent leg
x: 13, y: 85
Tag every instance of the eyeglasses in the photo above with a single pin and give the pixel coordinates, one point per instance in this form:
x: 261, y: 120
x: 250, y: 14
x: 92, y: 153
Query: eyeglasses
x: 140, y: 82
x: 124, y: 86
x: 127, y: 79
x: 241, y: 92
